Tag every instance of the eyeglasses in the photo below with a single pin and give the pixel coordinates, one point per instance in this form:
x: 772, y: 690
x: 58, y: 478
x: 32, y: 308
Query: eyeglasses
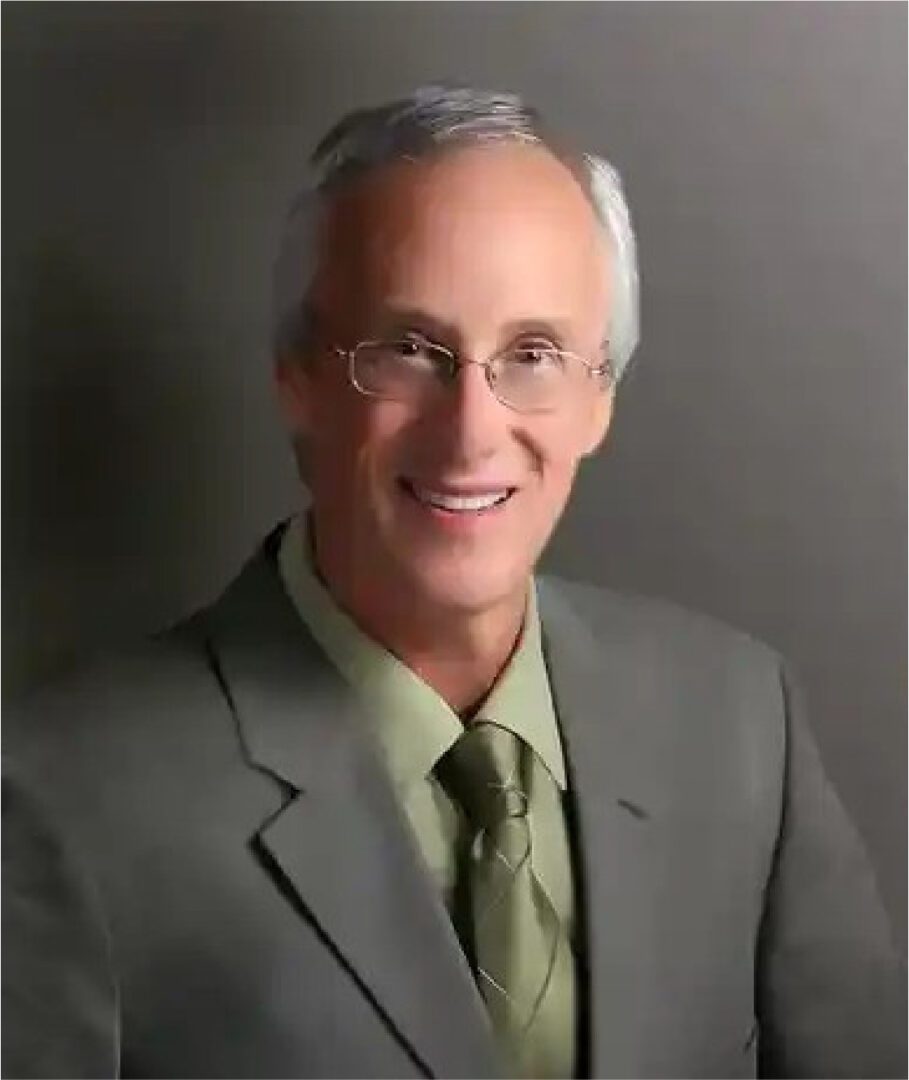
x: 526, y: 377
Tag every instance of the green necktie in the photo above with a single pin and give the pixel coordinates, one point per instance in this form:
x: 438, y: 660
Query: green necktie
x: 516, y: 943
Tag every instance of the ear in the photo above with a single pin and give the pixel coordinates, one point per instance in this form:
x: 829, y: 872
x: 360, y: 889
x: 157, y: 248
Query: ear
x: 293, y: 382
x: 600, y: 417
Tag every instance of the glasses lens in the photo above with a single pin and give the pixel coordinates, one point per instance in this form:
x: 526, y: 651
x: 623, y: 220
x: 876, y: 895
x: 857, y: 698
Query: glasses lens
x: 401, y: 370
x: 536, y: 377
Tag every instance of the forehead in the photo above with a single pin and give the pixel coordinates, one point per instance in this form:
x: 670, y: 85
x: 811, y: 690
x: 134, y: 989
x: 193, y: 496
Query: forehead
x: 479, y: 233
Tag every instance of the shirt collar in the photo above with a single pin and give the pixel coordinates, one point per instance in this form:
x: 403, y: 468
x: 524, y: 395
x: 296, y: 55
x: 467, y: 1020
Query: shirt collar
x: 521, y: 699
x: 412, y: 723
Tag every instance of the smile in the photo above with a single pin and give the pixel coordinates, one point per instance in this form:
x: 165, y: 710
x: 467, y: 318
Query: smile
x: 457, y: 505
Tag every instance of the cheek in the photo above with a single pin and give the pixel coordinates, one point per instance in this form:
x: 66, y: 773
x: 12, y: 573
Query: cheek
x: 558, y: 451
x: 338, y: 431
x: 557, y: 486
x: 357, y: 445
x: 560, y: 441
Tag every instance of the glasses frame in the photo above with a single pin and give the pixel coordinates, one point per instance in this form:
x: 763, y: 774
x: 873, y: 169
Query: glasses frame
x: 456, y: 363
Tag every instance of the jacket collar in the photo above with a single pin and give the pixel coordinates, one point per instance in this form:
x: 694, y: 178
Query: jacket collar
x: 603, y: 694
x: 341, y: 841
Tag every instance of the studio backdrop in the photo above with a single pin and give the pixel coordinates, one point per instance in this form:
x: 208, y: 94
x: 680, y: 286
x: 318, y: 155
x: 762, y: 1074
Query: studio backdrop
x: 756, y: 466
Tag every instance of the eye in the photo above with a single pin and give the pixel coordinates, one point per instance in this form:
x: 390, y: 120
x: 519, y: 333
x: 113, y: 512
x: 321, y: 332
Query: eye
x: 410, y: 347
x: 538, y: 355
x: 414, y: 351
x: 407, y: 346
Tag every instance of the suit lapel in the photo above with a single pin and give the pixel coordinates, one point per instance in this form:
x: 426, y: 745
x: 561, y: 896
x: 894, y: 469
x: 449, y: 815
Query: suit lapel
x: 597, y: 687
x: 341, y: 842
x: 343, y: 846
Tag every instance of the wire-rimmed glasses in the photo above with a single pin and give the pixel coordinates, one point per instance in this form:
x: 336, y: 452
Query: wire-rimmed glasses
x: 526, y: 377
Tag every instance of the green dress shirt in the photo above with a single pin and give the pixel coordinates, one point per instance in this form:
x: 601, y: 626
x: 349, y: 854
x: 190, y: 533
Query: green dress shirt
x: 413, y: 727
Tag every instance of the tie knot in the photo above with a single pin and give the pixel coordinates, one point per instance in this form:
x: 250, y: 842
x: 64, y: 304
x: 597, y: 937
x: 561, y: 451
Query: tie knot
x: 486, y: 772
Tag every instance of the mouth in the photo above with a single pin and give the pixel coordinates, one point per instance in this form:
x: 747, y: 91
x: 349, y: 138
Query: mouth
x: 456, y: 507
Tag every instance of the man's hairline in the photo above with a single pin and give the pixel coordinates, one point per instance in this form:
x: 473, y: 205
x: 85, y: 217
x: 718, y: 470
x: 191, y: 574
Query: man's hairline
x: 326, y: 196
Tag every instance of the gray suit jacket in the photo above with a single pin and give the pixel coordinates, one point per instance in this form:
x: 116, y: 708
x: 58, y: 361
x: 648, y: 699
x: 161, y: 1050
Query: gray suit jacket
x: 208, y: 873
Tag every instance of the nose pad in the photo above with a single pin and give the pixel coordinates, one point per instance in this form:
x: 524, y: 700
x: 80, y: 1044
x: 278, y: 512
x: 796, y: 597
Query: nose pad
x: 471, y: 377
x: 477, y: 407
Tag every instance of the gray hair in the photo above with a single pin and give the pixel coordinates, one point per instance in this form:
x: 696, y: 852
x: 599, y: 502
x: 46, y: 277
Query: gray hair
x: 430, y: 117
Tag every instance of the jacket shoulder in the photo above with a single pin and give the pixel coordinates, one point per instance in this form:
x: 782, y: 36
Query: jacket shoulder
x: 142, y: 706
x: 141, y: 669
x: 634, y: 620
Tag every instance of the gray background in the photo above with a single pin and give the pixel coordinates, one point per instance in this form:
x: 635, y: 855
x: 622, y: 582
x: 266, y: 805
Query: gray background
x: 756, y: 465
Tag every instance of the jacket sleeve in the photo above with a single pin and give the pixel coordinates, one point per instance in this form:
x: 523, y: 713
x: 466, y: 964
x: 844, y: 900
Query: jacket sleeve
x: 60, y: 1015
x: 830, y: 991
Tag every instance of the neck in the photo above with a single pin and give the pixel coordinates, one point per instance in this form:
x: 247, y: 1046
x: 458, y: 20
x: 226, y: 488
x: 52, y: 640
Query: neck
x: 460, y: 654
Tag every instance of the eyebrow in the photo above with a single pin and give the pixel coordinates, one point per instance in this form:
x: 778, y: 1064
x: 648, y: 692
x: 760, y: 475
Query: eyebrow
x: 394, y: 318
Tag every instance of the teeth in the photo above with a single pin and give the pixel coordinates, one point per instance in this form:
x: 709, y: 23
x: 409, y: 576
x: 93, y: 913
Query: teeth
x: 455, y: 502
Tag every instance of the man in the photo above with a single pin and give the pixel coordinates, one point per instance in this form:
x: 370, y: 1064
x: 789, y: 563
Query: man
x: 394, y: 805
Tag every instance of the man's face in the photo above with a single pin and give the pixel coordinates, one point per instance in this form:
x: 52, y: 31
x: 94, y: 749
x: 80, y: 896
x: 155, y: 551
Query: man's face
x: 476, y: 249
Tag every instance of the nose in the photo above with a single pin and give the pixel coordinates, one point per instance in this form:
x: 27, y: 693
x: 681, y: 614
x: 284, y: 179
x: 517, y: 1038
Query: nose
x: 469, y: 416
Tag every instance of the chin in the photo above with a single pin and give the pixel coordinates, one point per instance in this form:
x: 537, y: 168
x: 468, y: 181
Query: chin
x: 449, y: 575
x: 463, y: 588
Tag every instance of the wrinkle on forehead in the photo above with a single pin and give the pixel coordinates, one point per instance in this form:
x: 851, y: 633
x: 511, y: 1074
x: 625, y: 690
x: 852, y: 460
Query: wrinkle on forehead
x: 477, y: 233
